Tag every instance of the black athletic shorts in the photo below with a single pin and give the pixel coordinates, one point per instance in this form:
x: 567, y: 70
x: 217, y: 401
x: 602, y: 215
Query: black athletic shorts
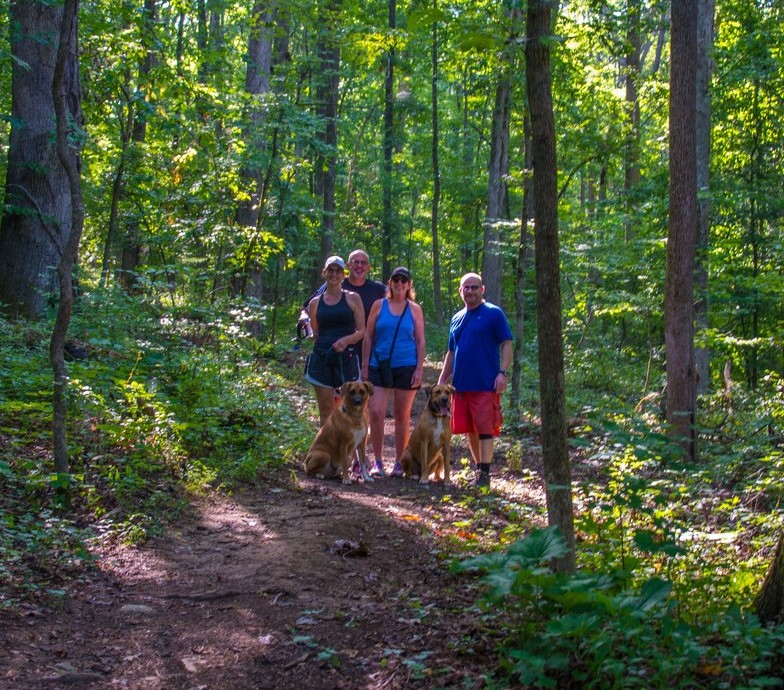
x: 332, y: 369
x: 401, y: 377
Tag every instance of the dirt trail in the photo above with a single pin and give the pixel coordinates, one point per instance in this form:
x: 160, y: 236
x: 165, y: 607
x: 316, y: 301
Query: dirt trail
x: 298, y: 584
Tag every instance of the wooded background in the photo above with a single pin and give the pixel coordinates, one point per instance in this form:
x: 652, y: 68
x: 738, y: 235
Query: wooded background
x: 613, y: 169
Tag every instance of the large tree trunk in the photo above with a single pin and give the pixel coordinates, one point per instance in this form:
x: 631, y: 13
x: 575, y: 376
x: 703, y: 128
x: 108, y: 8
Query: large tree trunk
x: 704, y: 71
x: 37, y: 217
x: 66, y: 94
x: 682, y: 234
x: 769, y: 605
x: 555, y: 452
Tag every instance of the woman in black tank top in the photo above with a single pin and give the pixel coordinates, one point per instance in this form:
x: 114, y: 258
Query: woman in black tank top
x: 338, y: 321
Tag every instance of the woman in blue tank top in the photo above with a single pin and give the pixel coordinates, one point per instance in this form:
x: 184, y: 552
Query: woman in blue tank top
x: 393, y: 355
x: 338, y: 320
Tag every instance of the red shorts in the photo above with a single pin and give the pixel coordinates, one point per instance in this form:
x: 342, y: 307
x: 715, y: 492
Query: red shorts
x: 476, y: 412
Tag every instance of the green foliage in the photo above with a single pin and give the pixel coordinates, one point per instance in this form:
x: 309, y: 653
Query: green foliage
x: 594, y: 630
x: 167, y: 403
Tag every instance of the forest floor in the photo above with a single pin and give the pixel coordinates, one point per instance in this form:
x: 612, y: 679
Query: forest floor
x: 294, y: 584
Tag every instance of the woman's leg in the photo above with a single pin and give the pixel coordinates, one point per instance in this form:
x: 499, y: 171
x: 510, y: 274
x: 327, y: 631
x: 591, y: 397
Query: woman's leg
x: 404, y: 400
x: 325, y: 397
x: 378, y: 411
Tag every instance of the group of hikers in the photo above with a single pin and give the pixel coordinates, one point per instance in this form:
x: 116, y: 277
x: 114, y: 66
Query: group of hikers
x: 370, y: 331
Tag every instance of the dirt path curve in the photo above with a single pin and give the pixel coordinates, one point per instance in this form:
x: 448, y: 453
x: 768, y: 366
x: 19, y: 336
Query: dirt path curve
x: 325, y: 586
x: 297, y: 584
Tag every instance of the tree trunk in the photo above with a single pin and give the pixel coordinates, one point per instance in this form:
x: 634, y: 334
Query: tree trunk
x: 132, y: 247
x: 388, y: 212
x: 632, y: 162
x: 492, y: 259
x: 66, y: 96
x: 37, y: 216
x: 682, y: 233
x: 555, y: 451
x: 327, y: 91
x: 769, y: 605
x: 257, y: 83
x: 704, y: 72
x: 437, y: 305
x: 522, y: 269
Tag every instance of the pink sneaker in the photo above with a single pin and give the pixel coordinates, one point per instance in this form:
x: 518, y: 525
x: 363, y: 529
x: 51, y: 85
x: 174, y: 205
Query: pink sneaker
x: 397, y: 470
x: 378, y: 470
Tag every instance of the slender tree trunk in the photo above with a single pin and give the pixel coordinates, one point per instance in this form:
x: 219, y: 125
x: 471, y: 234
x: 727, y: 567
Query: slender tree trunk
x: 522, y: 269
x: 66, y: 94
x: 132, y: 243
x: 327, y: 96
x: 37, y: 215
x: 257, y: 84
x: 555, y: 452
x: 682, y: 235
x: 632, y: 157
x: 388, y: 229
x: 704, y: 72
x: 438, y: 307
x: 492, y: 258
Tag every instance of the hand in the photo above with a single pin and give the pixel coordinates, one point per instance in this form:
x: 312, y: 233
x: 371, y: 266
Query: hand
x: 339, y: 345
x: 500, y: 383
x: 416, y: 378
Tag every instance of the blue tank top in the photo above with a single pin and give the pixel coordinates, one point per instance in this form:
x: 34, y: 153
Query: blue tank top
x: 404, y: 354
x: 334, y: 322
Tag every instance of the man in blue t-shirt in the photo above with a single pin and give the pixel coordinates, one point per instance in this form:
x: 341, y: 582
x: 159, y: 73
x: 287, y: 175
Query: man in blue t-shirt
x: 478, y: 358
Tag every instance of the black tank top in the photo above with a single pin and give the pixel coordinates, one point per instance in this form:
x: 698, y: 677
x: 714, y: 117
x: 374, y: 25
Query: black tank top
x: 334, y: 322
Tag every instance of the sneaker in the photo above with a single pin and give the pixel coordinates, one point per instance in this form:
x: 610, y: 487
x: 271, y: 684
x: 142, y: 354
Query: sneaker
x: 482, y: 480
x: 355, y: 467
x: 397, y: 470
x: 378, y: 469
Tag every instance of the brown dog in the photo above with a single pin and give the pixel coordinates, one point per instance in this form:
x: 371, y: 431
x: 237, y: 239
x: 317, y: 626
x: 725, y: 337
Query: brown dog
x: 427, y: 451
x: 344, y: 432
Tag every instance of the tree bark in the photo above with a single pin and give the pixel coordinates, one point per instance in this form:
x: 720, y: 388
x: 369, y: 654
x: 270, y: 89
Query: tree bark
x: 522, y: 269
x: 682, y: 233
x: 327, y: 91
x: 388, y: 229
x: 437, y: 304
x: 555, y: 451
x: 769, y: 605
x: 66, y: 96
x: 37, y: 216
x: 704, y: 72
x: 498, y: 168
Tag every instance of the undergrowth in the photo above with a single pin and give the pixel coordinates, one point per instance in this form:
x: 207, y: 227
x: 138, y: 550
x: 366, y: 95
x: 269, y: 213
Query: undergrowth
x: 163, y: 405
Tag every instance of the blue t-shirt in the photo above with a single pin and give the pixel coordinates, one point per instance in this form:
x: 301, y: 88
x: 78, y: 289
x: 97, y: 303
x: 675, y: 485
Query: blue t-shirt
x: 475, y: 337
x: 404, y: 354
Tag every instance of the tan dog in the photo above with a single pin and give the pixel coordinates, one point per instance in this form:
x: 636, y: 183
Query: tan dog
x: 427, y: 451
x: 344, y: 432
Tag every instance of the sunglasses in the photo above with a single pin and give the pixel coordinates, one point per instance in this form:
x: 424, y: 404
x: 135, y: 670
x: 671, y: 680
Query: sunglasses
x: 399, y: 279
x: 333, y: 269
x: 471, y: 287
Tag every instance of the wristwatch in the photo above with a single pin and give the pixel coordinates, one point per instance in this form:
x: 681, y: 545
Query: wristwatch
x: 504, y: 372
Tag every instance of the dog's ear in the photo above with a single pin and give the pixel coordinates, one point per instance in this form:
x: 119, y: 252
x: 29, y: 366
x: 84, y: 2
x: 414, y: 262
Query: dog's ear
x: 344, y: 389
x: 451, y: 389
x: 369, y: 387
x: 427, y: 390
